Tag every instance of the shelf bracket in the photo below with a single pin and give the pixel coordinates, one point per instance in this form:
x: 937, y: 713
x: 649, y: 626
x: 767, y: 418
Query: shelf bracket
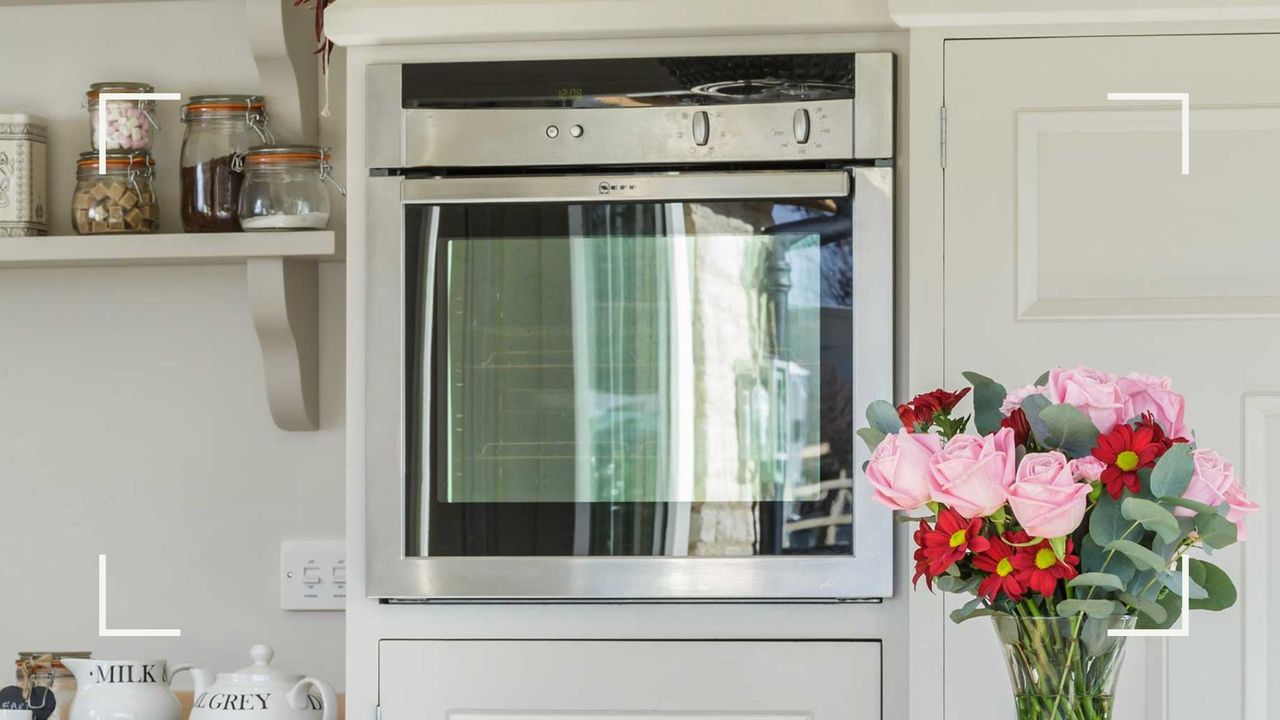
x: 284, y: 302
x: 282, y: 39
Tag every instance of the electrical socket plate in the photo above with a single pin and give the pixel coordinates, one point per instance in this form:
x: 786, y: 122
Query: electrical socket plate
x: 313, y: 575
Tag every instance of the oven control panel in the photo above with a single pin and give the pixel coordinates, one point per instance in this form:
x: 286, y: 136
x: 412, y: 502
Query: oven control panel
x: 504, y: 137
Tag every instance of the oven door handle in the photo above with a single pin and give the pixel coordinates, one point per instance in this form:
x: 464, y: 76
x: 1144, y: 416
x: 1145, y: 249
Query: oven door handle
x: 678, y: 187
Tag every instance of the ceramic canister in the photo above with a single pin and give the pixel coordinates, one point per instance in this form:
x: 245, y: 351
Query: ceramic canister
x: 24, y: 208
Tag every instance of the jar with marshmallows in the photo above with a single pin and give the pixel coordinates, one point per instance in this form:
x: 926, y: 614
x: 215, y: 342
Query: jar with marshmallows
x: 122, y: 123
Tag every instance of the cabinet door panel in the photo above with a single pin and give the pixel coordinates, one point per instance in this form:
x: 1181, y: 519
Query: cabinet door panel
x: 1072, y: 237
x: 632, y: 680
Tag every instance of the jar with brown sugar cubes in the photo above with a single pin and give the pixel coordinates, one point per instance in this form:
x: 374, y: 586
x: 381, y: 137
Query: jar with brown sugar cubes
x: 115, y: 197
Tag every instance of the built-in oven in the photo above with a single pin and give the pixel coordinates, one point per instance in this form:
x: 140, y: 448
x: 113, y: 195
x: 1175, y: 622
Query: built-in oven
x: 621, y: 315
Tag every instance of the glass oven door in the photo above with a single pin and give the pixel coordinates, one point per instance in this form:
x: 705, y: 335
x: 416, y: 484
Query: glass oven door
x: 599, y: 375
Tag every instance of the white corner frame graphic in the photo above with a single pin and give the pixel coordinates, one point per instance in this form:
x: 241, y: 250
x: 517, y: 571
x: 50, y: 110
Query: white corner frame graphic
x: 102, y: 118
x: 1185, y: 629
x: 103, y: 630
x: 1185, y: 100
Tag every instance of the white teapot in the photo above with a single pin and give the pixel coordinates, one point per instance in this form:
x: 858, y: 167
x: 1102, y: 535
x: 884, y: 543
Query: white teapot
x: 124, y: 689
x: 260, y: 692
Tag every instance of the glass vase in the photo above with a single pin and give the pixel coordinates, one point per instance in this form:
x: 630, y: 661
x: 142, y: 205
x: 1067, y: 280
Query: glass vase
x: 1063, y: 668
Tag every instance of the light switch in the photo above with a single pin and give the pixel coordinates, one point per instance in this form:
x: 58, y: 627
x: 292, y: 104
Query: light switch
x: 313, y: 575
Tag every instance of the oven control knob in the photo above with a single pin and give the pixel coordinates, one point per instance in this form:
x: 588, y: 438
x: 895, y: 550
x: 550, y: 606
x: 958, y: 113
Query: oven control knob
x: 800, y: 125
x: 701, y: 127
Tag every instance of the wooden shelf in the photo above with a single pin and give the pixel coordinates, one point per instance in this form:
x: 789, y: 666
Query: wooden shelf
x: 176, y: 249
x: 283, y: 289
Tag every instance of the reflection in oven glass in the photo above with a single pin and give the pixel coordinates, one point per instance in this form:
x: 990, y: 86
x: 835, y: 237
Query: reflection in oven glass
x: 633, y: 379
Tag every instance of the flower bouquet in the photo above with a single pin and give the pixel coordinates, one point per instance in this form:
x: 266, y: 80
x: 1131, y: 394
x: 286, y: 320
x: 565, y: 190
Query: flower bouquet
x: 1069, y: 514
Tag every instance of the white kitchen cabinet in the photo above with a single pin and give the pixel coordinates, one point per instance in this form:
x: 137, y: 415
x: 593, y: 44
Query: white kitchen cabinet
x: 1072, y: 236
x: 639, y: 680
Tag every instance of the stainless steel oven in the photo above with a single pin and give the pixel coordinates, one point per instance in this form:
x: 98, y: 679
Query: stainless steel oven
x: 621, y: 317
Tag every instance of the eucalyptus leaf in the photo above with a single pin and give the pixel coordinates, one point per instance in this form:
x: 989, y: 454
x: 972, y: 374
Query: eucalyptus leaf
x: 1172, y: 605
x: 1172, y: 472
x: 970, y: 610
x: 884, y: 417
x: 1144, y: 484
x: 871, y: 437
x: 947, y: 583
x: 1043, y: 379
x: 1152, y: 517
x: 1094, y: 559
x: 1107, y: 524
x: 1172, y: 579
x: 1215, y: 531
x: 1218, y: 585
x: 1092, y: 608
x: 1068, y: 430
x: 1168, y: 549
x: 1145, y: 585
x: 988, y: 395
x: 1150, y: 608
x: 1196, y: 507
x: 1141, y: 557
x: 1101, y: 580
x: 1033, y: 405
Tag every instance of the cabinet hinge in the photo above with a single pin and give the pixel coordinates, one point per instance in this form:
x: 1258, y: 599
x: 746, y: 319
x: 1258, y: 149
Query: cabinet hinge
x: 942, y: 140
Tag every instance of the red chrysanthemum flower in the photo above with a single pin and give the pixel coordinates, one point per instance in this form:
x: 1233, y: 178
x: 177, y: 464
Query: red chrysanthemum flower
x: 1003, y: 575
x: 918, y: 414
x: 922, y: 562
x: 946, y: 542
x: 1126, y: 450
x: 1039, y: 568
x: 1158, y: 435
x: 1017, y: 421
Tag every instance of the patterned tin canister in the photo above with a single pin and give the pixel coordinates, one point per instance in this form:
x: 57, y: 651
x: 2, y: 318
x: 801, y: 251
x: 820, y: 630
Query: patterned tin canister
x: 24, y: 206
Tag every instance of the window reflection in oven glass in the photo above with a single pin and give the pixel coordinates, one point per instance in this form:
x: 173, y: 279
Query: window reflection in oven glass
x: 631, y: 379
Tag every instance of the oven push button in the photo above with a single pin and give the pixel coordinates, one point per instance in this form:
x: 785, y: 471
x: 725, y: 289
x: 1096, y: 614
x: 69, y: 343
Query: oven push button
x: 800, y: 125
x: 701, y: 127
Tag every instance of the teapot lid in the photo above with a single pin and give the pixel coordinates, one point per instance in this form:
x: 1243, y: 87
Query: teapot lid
x: 261, y: 671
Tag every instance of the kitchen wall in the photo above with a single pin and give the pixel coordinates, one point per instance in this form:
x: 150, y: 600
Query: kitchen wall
x: 133, y: 420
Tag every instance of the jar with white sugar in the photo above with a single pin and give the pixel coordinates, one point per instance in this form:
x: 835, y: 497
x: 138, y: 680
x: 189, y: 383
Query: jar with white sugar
x: 129, y: 122
x: 284, y: 188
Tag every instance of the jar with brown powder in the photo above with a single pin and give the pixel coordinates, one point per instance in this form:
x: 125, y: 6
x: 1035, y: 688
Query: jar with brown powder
x: 219, y: 128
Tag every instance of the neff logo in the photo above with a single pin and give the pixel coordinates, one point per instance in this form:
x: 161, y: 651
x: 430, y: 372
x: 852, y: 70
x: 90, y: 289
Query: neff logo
x: 125, y: 674
x: 605, y: 188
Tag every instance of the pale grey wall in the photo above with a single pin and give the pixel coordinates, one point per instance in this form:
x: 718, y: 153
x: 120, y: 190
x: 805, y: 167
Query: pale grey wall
x: 133, y: 419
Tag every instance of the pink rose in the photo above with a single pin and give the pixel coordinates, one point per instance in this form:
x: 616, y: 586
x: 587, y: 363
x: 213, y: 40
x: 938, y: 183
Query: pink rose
x: 1093, y: 392
x: 1088, y: 468
x: 1148, y: 393
x: 1211, y: 477
x: 899, y: 469
x: 1045, y: 497
x: 1239, y: 505
x: 972, y: 474
x: 1014, y: 399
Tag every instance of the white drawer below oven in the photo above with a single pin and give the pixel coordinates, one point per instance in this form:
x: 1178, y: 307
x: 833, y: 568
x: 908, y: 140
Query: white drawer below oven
x: 629, y: 680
